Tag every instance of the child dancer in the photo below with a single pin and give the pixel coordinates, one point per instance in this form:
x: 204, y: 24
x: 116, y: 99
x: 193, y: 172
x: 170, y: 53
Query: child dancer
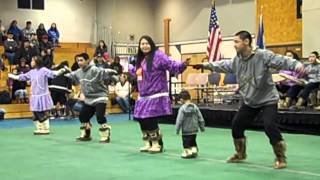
x: 40, y: 102
x: 189, y: 119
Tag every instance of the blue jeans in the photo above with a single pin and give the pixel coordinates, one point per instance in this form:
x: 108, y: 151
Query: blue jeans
x: 124, y: 103
x: 11, y: 58
x: 21, y: 93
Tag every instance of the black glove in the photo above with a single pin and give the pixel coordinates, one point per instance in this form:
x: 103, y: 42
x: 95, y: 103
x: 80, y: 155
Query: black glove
x: 198, y: 66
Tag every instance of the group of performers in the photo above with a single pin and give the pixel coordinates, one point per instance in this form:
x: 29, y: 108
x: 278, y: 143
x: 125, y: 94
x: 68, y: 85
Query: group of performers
x: 251, y: 66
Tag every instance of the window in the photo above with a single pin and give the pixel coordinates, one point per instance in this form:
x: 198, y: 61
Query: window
x: 24, y: 4
x: 38, y: 4
x: 31, y: 4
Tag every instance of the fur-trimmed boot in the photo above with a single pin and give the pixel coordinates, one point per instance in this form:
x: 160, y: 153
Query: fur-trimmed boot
x: 287, y: 103
x: 147, y: 142
x: 156, y: 142
x: 299, y: 105
x: 194, y: 151
x: 46, y: 126
x: 85, y: 132
x: 279, y: 150
x: 40, y: 128
x: 187, y: 153
x: 240, y: 147
x: 105, y: 133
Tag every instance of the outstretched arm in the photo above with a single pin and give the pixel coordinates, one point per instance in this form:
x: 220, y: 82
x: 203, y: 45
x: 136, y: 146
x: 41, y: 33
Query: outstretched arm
x: 21, y: 77
x: 277, y: 61
x: 223, y: 66
x: 167, y: 63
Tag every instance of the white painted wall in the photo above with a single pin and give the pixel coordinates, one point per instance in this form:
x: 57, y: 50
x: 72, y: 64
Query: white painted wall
x: 190, y: 18
x: 119, y: 18
x: 75, y: 18
x: 310, y: 27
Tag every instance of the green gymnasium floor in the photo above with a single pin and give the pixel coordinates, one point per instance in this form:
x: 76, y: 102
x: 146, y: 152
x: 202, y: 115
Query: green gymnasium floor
x: 58, y: 156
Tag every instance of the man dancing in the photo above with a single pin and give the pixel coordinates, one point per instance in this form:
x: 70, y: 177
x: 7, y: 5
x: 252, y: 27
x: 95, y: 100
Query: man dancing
x: 91, y: 80
x: 252, y: 67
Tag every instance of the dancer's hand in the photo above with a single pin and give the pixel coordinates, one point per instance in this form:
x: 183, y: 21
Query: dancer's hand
x: 12, y: 76
x: 187, y: 61
x: 67, y: 69
x: 197, y: 66
x: 110, y: 71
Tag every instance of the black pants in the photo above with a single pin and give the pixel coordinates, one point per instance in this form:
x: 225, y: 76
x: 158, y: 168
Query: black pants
x: 247, y: 114
x: 308, y: 89
x: 88, y: 111
x: 149, y: 124
x: 189, y: 141
x: 40, y: 116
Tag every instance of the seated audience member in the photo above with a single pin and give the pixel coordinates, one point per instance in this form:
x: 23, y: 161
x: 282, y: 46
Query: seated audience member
x: 285, y: 86
x: 312, y: 71
x: 47, y: 59
x: 116, y: 65
x: 28, y: 30
x: 46, y: 45
x: 100, y: 62
x: 34, y: 43
x: 10, y: 48
x: 122, y: 91
x: 101, y: 48
x: 19, y: 91
x: 26, y: 52
x: 14, y: 29
x: 54, y: 34
x: 41, y: 31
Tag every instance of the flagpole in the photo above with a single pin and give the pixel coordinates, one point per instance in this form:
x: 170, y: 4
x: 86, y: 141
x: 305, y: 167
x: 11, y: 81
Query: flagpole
x: 213, y: 2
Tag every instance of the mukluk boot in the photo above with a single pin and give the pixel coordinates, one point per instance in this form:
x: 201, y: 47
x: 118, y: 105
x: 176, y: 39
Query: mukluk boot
x: 194, y: 151
x: 85, y: 132
x: 187, y: 153
x: 147, y: 142
x: 156, y: 142
x: 41, y: 128
x: 279, y: 150
x: 240, y: 147
x: 105, y: 133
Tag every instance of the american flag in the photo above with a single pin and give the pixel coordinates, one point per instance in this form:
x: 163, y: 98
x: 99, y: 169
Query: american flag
x: 214, y: 37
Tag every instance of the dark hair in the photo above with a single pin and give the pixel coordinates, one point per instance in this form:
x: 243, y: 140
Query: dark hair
x: 28, y: 22
x: 244, y: 35
x: 85, y: 56
x: 104, y: 44
x: 117, y: 58
x: 315, y: 53
x: 295, y: 55
x: 185, y: 95
x: 149, y: 57
x: 62, y: 64
x: 39, y: 61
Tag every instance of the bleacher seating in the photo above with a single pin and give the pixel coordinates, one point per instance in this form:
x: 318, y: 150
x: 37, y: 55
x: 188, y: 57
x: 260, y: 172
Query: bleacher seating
x: 66, y: 51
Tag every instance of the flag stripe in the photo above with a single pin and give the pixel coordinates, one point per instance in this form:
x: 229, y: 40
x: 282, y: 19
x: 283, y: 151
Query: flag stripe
x: 214, y: 37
